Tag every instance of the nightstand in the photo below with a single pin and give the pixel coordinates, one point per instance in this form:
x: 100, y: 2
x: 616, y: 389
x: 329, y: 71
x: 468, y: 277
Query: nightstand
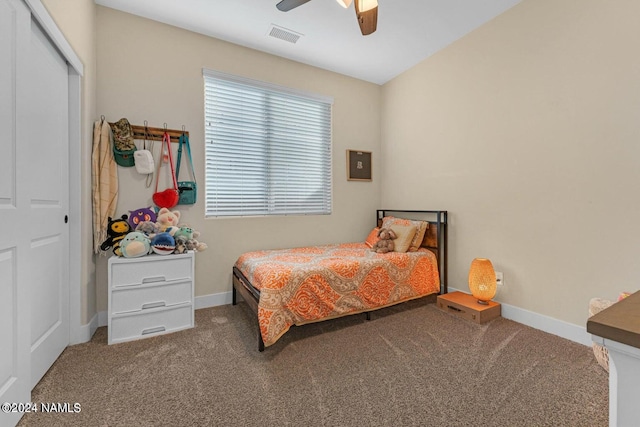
x: 467, y: 307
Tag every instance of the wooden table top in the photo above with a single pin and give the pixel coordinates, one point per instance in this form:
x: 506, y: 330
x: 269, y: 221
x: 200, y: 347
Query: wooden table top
x: 620, y: 322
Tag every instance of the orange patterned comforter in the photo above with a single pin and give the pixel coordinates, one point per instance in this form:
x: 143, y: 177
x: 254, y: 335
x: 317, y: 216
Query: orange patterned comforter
x: 305, y: 285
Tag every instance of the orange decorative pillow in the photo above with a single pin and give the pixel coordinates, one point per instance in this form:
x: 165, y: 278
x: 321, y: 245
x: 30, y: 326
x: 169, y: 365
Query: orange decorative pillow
x: 421, y: 228
x: 372, y: 238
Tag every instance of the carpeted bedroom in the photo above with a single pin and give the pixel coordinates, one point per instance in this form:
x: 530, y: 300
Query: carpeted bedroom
x: 410, y: 365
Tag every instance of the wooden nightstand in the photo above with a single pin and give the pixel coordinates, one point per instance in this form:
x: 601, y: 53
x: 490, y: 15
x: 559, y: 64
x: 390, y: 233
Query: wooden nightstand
x: 467, y: 307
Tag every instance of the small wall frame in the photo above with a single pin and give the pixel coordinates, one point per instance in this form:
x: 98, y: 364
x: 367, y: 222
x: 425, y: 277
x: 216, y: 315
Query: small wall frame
x: 358, y: 165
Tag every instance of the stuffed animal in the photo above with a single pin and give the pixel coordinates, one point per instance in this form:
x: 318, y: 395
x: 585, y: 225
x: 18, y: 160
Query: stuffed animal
x: 149, y: 228
x: 116, y: 230
x: 194, y: 245
x: 385, y: 244
x: 183, y: 244
x: 163, y: 243
x: 166, y: 219
x: 186, y: 232
x: 135, y: 244
x: 140, y: 215
x: 185, y: 237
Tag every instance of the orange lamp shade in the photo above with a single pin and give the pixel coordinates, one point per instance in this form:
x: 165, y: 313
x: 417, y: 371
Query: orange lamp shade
x: 482, y: 280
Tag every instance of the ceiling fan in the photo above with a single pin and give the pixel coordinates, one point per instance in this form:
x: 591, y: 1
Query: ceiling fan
x: 366, y: 11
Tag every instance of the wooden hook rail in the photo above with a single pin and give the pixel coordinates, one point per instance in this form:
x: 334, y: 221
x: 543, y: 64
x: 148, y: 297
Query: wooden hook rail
x: 155, y: 134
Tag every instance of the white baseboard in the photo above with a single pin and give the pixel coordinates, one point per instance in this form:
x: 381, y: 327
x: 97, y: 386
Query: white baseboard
x: 103, y: 318
x: 213, y: 300
x: 544, y: 323
x: 85, y: 332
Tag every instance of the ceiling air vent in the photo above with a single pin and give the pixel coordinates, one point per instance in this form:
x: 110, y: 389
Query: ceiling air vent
x: 284, y: 34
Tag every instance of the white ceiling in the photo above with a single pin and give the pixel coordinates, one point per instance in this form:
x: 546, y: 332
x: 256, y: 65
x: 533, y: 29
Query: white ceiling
x: 408, y: 30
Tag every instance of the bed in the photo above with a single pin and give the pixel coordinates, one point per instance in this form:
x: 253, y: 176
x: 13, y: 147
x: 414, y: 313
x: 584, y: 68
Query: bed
x: 297, y: 286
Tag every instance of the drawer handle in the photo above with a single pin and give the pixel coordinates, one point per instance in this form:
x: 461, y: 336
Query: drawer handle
x: 153, y: 305
x: 154, y: 330
x: 154, y: 279
x: 450, y: 307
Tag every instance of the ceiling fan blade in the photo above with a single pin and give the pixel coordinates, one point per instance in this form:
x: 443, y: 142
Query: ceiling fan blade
x: 367, y: 19
x: 287, y: 5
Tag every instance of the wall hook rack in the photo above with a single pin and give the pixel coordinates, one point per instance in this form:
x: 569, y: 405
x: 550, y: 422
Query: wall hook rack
x: 155, y: 134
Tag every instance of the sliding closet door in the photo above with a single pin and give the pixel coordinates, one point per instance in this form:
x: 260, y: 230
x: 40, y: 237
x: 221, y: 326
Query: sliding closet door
x: 47, y: 149
x: 14, y: 208
x: 34, y: 204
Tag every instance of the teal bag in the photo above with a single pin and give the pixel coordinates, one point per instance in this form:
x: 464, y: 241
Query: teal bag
x: 188, y: 190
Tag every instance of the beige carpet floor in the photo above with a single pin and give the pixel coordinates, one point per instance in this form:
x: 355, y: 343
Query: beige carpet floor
x: 410, y: 365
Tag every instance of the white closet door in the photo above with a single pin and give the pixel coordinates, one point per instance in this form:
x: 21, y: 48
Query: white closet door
x: 34, y: 199
x: 47, y: 148
x: 14, y: 211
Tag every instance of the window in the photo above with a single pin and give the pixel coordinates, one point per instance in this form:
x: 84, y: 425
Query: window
x: 267, y: 148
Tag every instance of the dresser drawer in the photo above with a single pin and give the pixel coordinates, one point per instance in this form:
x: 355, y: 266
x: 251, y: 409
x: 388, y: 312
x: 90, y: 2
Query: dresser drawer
x: 133, y: 298
x: 128, y: 327
x: 150, y: 269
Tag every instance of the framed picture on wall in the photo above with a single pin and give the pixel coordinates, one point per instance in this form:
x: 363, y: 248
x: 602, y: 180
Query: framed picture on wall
x: 358, y: 165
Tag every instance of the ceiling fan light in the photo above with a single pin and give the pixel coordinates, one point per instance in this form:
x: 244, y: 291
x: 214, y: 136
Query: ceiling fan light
x: 344, y: 3
x: 365, y: 5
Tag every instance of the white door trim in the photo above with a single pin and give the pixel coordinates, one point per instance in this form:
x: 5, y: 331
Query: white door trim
x: 76, y: 330
x: 39, y: 12
x: 76, y: 70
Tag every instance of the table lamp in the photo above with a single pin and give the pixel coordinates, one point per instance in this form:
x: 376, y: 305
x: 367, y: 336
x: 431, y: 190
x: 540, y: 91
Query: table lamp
x: 482, y: 280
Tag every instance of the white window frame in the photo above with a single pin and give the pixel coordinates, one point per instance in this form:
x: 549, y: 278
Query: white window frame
x: 247, y: 122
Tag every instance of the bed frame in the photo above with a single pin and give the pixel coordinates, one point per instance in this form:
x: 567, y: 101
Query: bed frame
x: 435, y: 240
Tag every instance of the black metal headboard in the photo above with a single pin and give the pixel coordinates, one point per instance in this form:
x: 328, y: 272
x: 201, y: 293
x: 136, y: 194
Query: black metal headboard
x: 436, y: 239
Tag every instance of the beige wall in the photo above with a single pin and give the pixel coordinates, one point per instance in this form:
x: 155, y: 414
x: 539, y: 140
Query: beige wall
x: 528, y: 131
x: 77, y: 20
x: 528, y: 127
x: 151, y: 71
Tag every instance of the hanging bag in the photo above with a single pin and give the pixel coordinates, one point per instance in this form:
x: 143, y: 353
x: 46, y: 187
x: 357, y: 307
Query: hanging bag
x: 188, y: 189
x: 169, y: 197
x: 124, y: 146
x: 144, y: 158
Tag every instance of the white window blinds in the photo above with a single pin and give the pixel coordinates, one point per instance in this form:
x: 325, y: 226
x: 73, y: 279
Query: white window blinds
x: 267, y: 148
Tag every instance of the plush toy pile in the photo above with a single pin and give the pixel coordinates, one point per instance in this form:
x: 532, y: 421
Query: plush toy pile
x: 385, y: 243
x: 159, y: 233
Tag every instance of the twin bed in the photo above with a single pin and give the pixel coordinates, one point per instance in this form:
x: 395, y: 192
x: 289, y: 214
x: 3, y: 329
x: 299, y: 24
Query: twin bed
x: 304, y: 285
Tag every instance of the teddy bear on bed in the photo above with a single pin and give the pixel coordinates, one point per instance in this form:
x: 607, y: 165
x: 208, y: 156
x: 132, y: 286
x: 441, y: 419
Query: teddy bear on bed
x: 385, y: 243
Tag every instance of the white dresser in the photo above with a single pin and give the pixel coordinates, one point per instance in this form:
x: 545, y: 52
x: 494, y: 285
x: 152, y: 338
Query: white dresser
x: 150, y: 295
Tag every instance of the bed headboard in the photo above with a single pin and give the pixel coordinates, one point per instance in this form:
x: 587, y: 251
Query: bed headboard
x: 435, y: 237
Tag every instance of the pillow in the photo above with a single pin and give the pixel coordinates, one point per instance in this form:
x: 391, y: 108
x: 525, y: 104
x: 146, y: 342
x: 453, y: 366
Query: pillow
x: 405, y: 235
x: 372, y: 238
x: 421, y: 228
